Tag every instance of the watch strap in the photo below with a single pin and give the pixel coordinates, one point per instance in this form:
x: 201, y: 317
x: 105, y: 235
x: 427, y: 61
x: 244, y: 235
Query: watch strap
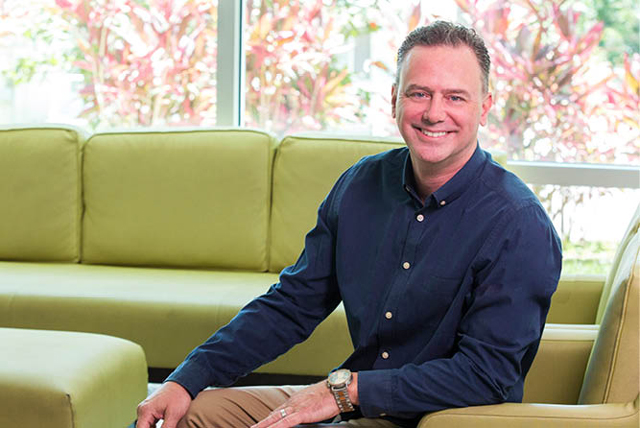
x: 342, y: 399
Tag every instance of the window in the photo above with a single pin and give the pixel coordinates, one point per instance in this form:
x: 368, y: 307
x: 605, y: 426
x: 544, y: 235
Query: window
x: 104, y: 63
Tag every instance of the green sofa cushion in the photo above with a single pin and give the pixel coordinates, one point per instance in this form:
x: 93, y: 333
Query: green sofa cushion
x: 167, y: 311
x: 305, y: 169
x: 187, y: 198
x: 40, y: 193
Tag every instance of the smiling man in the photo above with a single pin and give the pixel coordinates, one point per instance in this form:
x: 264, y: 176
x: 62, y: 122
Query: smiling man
x: 444, y: 261
x: 439, y: 100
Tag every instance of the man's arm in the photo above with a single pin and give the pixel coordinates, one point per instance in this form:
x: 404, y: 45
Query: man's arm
x: 267, y: 327
x: 270, y: 324
x: 273, y: 323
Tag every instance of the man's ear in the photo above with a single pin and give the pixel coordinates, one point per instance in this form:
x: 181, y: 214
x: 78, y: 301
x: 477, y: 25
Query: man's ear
x: 394, y: 98
x: 486, y: 106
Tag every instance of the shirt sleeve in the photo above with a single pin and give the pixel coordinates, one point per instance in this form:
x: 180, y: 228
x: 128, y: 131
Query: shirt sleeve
x: 276, y: 321
x: 514, y: 276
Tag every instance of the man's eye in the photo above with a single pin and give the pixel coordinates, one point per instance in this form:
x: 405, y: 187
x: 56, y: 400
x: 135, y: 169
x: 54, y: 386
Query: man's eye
x: 418, y: 95
x: 456, y: 98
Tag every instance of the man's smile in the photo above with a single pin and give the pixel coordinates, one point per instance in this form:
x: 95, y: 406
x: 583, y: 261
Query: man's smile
x: 432, y: 134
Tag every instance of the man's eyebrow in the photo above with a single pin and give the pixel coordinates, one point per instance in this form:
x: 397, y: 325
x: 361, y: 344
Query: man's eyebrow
x: 452, y: 91
x: 457, y: 92
x: 413, y: 87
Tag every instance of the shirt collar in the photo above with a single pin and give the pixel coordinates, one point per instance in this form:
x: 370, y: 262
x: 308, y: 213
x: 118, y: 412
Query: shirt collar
x: 453, y: 188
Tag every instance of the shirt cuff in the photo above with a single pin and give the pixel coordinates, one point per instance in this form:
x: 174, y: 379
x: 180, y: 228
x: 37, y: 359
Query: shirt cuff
x: 375, y: 393
x: 191, y: 376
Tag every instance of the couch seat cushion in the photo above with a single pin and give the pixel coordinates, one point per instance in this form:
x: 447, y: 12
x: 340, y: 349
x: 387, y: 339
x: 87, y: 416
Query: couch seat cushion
x: 167, y: 311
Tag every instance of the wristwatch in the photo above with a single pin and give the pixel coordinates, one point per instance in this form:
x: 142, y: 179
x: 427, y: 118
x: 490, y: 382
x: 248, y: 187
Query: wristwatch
x: 337, y: 382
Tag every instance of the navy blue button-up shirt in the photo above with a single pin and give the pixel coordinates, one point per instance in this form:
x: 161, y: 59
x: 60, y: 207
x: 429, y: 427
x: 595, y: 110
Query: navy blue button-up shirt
x: 445, y: 300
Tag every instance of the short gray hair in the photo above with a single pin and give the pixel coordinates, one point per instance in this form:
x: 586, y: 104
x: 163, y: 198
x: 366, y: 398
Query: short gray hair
x: 443, y: 33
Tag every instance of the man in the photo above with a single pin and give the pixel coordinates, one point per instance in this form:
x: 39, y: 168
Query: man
x: 444, y: 261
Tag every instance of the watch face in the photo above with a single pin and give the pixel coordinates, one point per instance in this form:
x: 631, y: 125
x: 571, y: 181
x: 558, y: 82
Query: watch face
x: 339, y: 377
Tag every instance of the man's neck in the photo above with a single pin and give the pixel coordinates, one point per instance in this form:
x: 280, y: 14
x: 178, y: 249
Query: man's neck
x: 431, y: 177
x: 428, y: 182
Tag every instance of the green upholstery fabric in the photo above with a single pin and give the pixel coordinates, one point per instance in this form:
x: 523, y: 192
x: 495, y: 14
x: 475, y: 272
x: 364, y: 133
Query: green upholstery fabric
x: 632, y: 229
x: 305, y: 169
x: 40, y: 193
x: 556, y: 374
x: 613, y: 375
x: 167, y: 311
x: 69, y: 380
x: 576, y: 299
x: 195, y: 198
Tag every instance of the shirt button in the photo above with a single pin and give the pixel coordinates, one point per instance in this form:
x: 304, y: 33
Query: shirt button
x: 420, y: 218
x: 385, y: 355
x: 388, y: 315
x: 443, y: 203
x: 406, y: 265
x: 382, y: 415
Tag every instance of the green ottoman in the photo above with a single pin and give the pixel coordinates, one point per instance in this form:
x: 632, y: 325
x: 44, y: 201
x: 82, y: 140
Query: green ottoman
x: 55, y: 379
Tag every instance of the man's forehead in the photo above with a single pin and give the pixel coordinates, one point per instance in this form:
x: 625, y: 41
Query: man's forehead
x: 456, y: 58
x: 456, y: 51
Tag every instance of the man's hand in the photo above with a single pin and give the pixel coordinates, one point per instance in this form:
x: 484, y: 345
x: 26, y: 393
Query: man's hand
x: 312, y: 404
x: 170, y: 402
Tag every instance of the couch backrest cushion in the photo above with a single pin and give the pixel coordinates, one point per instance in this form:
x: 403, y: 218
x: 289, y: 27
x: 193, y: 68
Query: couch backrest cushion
x: 305, y: 168
x: 612, y: 373
x: 632, y: 229
x: 184, y: 198
x: 40, y: 193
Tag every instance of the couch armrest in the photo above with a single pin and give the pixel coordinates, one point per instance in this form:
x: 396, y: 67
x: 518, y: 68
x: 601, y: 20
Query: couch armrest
x: 510, y: 415
x: 576, y: 299
x: 558, y: 369
x: 572, y: 327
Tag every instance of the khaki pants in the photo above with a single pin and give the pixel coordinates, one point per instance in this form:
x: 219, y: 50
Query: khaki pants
x: 243, y: 407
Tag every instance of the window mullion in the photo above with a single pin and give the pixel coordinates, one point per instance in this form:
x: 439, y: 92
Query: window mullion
x: 230, y: 63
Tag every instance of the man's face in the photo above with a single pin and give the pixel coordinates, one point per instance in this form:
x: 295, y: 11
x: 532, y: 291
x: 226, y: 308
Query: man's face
x: 438, y: 105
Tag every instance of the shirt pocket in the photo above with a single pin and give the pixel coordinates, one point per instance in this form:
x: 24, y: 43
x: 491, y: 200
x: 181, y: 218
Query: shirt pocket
x: 434, y: 299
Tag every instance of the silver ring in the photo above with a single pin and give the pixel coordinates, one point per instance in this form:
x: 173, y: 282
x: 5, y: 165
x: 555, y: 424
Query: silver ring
x: 283, y: 413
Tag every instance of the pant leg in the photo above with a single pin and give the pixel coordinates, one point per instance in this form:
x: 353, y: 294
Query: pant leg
x: 234, y: 407
x: 243, y: 407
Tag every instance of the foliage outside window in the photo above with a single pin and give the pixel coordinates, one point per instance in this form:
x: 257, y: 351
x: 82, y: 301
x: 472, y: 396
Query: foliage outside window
x: 558, y: 95
x: 143, y: 62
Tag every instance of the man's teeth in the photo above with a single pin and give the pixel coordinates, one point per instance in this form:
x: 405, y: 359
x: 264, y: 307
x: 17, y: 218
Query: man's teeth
x: 433, y: 134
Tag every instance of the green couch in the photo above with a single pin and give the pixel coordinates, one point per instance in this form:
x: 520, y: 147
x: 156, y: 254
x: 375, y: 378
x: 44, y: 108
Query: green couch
x: 161, y: 236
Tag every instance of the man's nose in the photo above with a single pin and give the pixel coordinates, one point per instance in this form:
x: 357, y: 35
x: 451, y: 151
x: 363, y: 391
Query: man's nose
x: 434, y: 111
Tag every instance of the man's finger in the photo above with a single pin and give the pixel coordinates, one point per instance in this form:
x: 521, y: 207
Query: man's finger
x: 171, y: 418
x: 273, y: 418
x: 145, y: 421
